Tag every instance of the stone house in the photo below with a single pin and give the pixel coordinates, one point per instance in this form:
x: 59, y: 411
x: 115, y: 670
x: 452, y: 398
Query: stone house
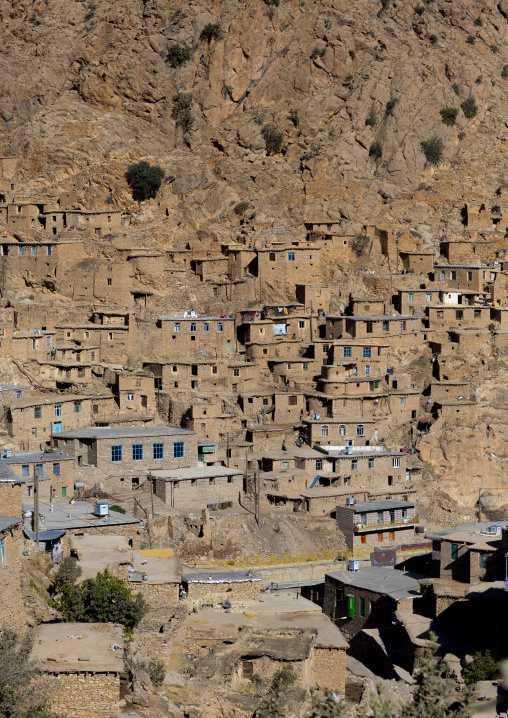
x: 367, y: 598
x: 290, y: 264
x: 315, y: 297
x: 384, y: 523
x: 417, y: 262
x: 234, y: 585
x: 55, y: 471
x: 197, y: 487
x: 405, y: 328
x: 78, y: 672
x: 370, y: 467
x: 361, y: 353
x: 458, y: 316
x: 463, y: 276
x: 135, y: 392
x: 114, y: 333
x: 359, y: 431
x: 187, y: 334
x: 123, y: 456
x: 32, y: 345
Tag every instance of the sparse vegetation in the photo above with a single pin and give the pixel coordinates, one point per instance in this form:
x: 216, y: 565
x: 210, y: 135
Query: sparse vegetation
x: 316, y: 52
x: 92, y: 7
x: 479, y: 80
x: 211, y: 31
x: 144, y: 179
x: 478, y: 22
x: 273, y: 139
x: 241, y: 208
x: 456, y: 88
x: 433, y: 39
x: 495, y: 49
x: 118, y: 509
x: 449, y: 115
x: 352, y: 54
x: 371, y: 120
x: 469, y: 107
x: 67, y: 573
x: 470, y: 39
x: 178, y: 55
x: 504, y: 72
x: 390, y: 106
x: 294, y: 117
x: 348, y: 79
x: 273, y: 3
x: 360, y: 244
x: 181, y: 112
x: 258, y: 117
x: 482, y: 668
x: 420, y: 9
x: 376, y: 150
x: 283, y: 678
x: 157, y: 673
x: 256, y: 679
x: 433, y: 150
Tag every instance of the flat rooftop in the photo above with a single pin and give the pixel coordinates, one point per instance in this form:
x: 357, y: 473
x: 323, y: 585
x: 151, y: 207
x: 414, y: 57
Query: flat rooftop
x: 121, y: 432
x: 470, y: 529
x: 27, y: 457
x: 387, y: 581
x: 61, y: 515
x: 219, y: 577
x: 194, y: 472
x: 381, y: 505
x: 71, y: 647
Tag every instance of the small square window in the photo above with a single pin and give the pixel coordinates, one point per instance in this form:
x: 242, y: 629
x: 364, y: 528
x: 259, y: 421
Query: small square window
x: 214, y: 369
x: 272, y: 256
x: 293, y: 400
x: 236, y: 371
x: 291, y: 256
x: 367, y: 352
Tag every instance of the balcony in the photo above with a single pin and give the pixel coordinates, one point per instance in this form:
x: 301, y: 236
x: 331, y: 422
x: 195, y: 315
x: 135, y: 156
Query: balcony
x: 384, y: 525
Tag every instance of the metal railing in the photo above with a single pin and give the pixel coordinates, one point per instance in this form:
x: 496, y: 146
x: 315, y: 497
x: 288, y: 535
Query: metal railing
x: 373, y: 525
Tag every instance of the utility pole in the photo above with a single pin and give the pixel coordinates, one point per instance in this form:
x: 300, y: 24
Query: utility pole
x: 151, y: 495
x: 227, y: 449
x: 36, y: 505
x: 257, y: 483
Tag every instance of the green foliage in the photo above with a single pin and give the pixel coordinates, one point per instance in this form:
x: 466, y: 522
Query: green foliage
x: 449, y: 115
x: 17, y: 698
x: 256, y: 679
x: 118, y: 509
x: 371, y: 120
x: 432, y: 39
x: 420, y: 9
x: 157, y: 673
x: 470, y: 39
x: 390, y: 106
x: 504, y: 72
x: 433, y: 150
x: 360, y: 244
x: 376, y: 150
x: 283, y: 678
x: 352, y: 54
x: 144, y: 179
x: 273, y: 139
x: 469, y: 107
x: 294, y: 117
x: 349, y: 79
x: 258, y: 117
x: 92, y: 7
x: 478, y: 22
x: 273, y: 706
x: 102, y: 599
x: 495, y: 49
x: 324, y: 707
x: 456, y: 88
x: 273, y: 3
x: 479, y: 80
x: 68, y: 573
x: 211, y: 31
x: 316, y: 52
x: 181, y: 112
x: 385, y: 4
x: 241, y: 208
x: 178, y: 55
x: 482, y: 668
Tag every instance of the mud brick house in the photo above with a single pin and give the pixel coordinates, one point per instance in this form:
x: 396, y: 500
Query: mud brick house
x: 315, y: 297
x: 416, y: 301
x: 236, y: 585
x: 367, y: 598
x: 417, y: 262
x: 11, y: 392
x: 290, y: 264
x: 113, y: 332
x: 79, y: 668
x: 187, y: 334
x: 384, y: 523
x: 157, y: 577
x: 458, y: 316
x: 135, y: 392
x: 372, y: 467
x: 361, y: 353
x: 123, y: 456
x: 405, y: 328
x: 12, y: 489
x: 188, y: 489
x: 463, y: 276
x: 55, y: 471
x: 359, y: 431
x: 11, y: 599
x: 32, y: 345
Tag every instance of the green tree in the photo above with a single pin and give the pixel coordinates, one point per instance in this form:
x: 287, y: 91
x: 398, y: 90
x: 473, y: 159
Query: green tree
x: 178, y: 55
x: 181, y: 112
x: 449, y: 115
x: 144, y: 179
x: 433, y: 150
x: 68, y: 573
x: 103, y: 599
x: 273, y: 139
x: 482, y: 667
x: 211, y: 31
x: 18, y: 698
x: 469, y: 107
x: 376, y: 150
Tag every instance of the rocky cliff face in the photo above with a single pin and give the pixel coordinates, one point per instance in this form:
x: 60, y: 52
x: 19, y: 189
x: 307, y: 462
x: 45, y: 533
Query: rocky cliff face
x: 88, y: 87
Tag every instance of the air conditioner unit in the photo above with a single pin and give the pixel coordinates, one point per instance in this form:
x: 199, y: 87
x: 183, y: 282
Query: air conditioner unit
x: 350, y: 501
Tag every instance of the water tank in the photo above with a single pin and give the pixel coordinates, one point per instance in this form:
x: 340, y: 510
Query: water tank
x: 349, y: 449
x: 353, y: 565
x: 494, y: 530
x: 8, y: 453
x: 79, y: 485
x: 350, y: 501
x: 101, y: 509
x: 317, y: 416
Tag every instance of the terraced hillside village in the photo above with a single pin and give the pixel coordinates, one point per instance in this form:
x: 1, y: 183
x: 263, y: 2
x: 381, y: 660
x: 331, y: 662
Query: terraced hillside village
x: 253, y: 357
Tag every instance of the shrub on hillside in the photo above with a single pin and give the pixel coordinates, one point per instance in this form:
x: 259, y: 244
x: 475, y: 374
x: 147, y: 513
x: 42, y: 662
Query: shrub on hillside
x: 433, y: 150
x: 144, y: 179
x: 273, y: 139
x: 178, y: 55
x: 469, y: 107
x: 449, y: 115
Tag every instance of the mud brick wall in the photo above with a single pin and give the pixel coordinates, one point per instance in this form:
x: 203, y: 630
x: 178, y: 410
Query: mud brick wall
x: 162, y: 599
x: 244, y: 591
x: 74, y: 695
x: 10, y: 499
x: 11, y: 601
x: 330, y: 669
x: 130, y: 531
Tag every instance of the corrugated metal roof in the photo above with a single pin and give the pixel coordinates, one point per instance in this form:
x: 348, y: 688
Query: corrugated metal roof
x: 106, y: 432
x: 386, y: 581
x: 8, y: 521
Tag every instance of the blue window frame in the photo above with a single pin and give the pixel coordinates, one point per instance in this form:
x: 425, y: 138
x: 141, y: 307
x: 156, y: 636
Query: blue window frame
x: 178, y: 450
x: 158, y: 450
x: 19, y: 395
x: 56, y: 469
x: 367, y: 370
x: 2, y: 551
x: 34, y: 251
x: 347, y: 352
x: 116, y: 453
x: 137, y: 452
x: 291, y: 256
x: 48, y: 341
x: 367, y: 352
x: 39, y: 469
x: 25, y: 470
x: 49, y: 251
x: 20, y: 251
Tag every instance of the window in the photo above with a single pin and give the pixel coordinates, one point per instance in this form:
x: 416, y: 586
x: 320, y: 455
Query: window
x: 177, y: 327
x: 116, y: 453
x: 324, y: 431
x: 380, y: 517
x: 402, y: 401
x: 110, y: 336
x: 342, y: 430
x: 483, y: 559
x: 363, y: 538
x: 194, y: 384
x: 34, y: 251
x: 158, y: 450
x: 64, y: 491
x: 301, y: 325
x: 214, y: 369
x: 39, y: 469
x: 347, y: 352
x: 325, y: 348
x: 211, y: 481
x: 236, y: 371
x: 319, y: 464
x: 49, y: 251
x: 404, y: 514
x: 37, y: 412
x: 403, y: 326
x: 35, y: 343
x: 20, y: 251
x: 470, y: 276
x: 56, y: 469
x: 477, y: 313
x: 220, y: 326
x: 410, y: 297
x: 58, y: 410
x: 137, y: 452
x: 130, y: 396
x: 376, y: 385
x: 293, y: 400
x: 110, y: 281
x: 371, y: 463
x: 193, y: 327
x: 291, y: 256
x: 459, y: 314
x: 369, y: 328
x: 265, y: 401
x: 453, y: 275
x: 367, y: 352
x: 57, y: 427
x: 354, y: 464
x: 25, y: 470
x: 77, y: 407
x: 178, y: 449
x: 454, y: 551
x: 367, y: 370
x: 285, y: 464
x: 19, y: 395
x: 396, y: 462
x: 305, y: 367
x: 392, y: 535
x: 443, y: 276
x: 206, y: 326
x: 386, y: 325
x: 272, y: 256
x: 428, y: 297
x: 360, y: 430
x: 380, y: 537
x: 392, y: 516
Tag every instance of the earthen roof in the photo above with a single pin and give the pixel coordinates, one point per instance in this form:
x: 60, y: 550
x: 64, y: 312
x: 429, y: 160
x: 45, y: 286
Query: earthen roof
x: 123, y: 432
x: 195, y: 472
x: 83, y: 647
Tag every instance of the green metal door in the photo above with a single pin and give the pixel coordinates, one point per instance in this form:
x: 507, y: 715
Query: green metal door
x: 350, y: 606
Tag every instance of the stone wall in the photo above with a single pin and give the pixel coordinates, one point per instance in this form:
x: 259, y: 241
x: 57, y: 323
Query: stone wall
x: 10, y: 498
x: 330, y: 669
x: 241, y: 591
x: 188, y: 495
x: 12, y: 610
x: 75, y: 695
